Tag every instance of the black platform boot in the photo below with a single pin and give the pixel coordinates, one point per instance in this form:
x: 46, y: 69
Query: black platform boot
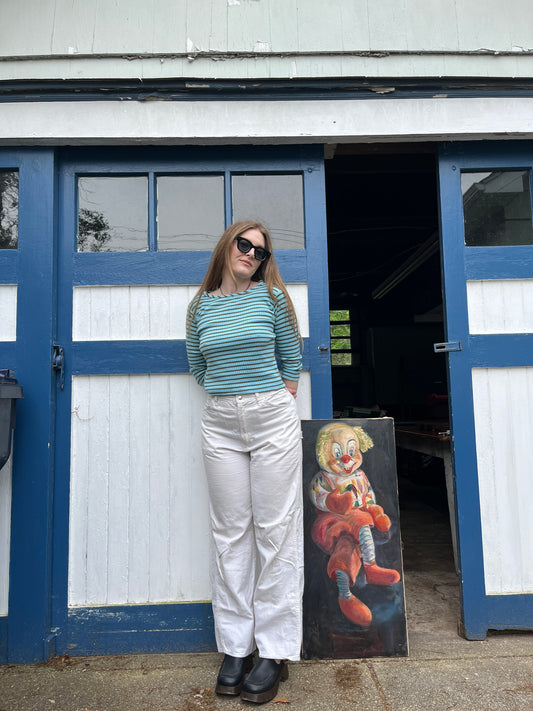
x: 262, y: 683
x: 231, y: 674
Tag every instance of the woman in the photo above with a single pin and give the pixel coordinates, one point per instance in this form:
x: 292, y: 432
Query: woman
x: 251, y: 443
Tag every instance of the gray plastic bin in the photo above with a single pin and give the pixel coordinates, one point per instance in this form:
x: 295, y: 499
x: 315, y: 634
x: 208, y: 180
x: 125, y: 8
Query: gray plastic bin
x: 10, y: 392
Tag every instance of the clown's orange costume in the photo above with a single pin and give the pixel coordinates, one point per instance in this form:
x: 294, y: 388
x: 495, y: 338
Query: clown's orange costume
x: 347, y: 511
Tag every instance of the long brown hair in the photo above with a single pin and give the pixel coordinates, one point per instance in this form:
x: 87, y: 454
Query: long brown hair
x: 267, y: 271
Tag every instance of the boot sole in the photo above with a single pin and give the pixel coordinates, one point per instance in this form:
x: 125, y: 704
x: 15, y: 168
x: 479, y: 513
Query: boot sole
x: 269, y: 694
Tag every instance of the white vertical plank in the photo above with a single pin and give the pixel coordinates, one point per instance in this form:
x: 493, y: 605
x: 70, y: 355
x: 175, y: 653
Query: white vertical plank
x: 81, y: 313
x: 159, y: 312
x: 8, y: 312
x: 198, y: 508
x: 139, y: 463
x: 502, y: 411
x: 98, y: 490
x: 99, y: 313
x: 139, y: 312
x: 159, y: 476
x: 5, y: 534
x: 119, y: 313
x: 119, y: 489
x: 79, y: 469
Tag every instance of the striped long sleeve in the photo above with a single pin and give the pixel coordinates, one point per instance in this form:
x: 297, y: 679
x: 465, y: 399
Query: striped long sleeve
x: 233, y: 341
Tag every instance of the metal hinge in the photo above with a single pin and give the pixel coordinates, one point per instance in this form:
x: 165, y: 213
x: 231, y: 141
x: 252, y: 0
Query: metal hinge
x: 447, y: 347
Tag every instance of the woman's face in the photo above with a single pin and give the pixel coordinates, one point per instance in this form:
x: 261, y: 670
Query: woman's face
x: 245, y: 265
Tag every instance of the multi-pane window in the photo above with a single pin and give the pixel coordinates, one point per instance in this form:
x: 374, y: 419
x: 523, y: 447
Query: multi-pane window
x: 188, y: 212
x: 341, y: 337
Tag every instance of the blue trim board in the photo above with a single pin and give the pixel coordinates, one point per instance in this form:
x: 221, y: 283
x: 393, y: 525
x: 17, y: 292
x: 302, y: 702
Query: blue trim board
x: 8, y: 266
x: 509, y: 612
x: 31, y: 513
x: 111, y: 268
x: 8, y: 355
x: 134, y: 629
x: 136, y: 357
x: 468, y: 515
x: 3, y: 639
x: 499, y: 262
x: 511, y: 350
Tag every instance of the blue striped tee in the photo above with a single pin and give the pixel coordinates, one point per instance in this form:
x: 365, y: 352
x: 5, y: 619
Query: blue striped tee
x: 233, y: 340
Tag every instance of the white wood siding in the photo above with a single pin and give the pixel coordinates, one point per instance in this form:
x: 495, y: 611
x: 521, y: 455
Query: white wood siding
x: 139, y: 502
x: 8, y: 312
x: 167, y: 38
x: 138, y: 521
x: 102, y: 313
x: 503, y: 409
x: 5, y: 534
x: 500, y: 306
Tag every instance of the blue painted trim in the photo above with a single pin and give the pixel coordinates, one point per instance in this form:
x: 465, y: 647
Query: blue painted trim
x: 501, y: 351
x: 136, y: 357
x: 499, y: 262
x: 509, y: 612
x: 166, y: 267
x: 3, y: 639
x: 318, y: 291
x: 468, y: 515
x: 135, y: 629
x: 8, y: 355
x: 31, y: 513
x: 123, y: 357
x: 8, y: 266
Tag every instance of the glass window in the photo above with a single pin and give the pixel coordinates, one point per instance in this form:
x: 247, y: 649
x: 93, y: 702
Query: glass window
x: 190, y: 211
x: 497, y: 208
x: 276, y: 201
x: 341, y: 342
x: 9, y: 209
x: 113, y: 214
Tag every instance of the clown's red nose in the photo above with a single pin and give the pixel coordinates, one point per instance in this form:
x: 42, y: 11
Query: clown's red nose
x: 345, y: 458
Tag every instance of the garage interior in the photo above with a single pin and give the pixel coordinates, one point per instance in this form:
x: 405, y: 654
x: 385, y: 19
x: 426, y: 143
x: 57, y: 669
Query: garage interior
x: 386, y: 313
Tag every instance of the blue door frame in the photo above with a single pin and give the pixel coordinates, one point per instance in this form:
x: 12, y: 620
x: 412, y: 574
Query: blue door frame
x: 480, y: 612
x: 24, y: 632
x: 39, y: 623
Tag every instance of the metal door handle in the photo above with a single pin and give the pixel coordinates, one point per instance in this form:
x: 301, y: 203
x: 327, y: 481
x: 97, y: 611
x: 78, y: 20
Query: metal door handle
x: 58, y: 364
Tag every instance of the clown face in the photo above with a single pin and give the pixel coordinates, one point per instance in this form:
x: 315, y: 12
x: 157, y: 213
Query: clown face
x: 342, y: 453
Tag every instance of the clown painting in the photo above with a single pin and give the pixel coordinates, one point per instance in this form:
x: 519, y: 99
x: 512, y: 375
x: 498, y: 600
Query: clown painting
x: 351, y: 525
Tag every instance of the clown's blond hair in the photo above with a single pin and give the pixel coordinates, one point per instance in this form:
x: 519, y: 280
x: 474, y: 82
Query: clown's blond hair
x: 364, y: 441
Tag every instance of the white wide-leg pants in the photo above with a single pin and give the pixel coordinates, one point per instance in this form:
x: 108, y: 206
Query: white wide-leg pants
x: 253, y: 459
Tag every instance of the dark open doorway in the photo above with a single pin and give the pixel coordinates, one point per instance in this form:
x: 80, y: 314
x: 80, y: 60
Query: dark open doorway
x: 386, y: 311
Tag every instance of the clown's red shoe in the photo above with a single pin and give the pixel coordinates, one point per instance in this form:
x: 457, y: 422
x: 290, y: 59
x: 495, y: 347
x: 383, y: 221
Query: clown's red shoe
x: 380, y: 576
x: 356, y: 611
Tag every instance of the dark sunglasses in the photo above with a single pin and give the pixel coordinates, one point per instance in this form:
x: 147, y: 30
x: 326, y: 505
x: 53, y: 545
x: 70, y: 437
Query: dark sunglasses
x: 244, y: 246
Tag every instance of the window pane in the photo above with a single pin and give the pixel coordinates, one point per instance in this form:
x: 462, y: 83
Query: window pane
x: 497, y: 208
x: 9, y: 209
x: 113, y: 214
x: 274, y: 200
x: 341, y: 359
x: 339, y: 315
x: 340, y: 344
x: 337, y: 330
x: 190, y: 212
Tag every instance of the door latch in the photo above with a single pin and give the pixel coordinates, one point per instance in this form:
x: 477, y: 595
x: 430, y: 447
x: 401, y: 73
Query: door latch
x: 447, y: 347
x: 58, y: 364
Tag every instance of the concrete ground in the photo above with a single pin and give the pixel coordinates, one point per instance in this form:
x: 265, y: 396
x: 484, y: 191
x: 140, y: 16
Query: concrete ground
x: 442, y: 671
